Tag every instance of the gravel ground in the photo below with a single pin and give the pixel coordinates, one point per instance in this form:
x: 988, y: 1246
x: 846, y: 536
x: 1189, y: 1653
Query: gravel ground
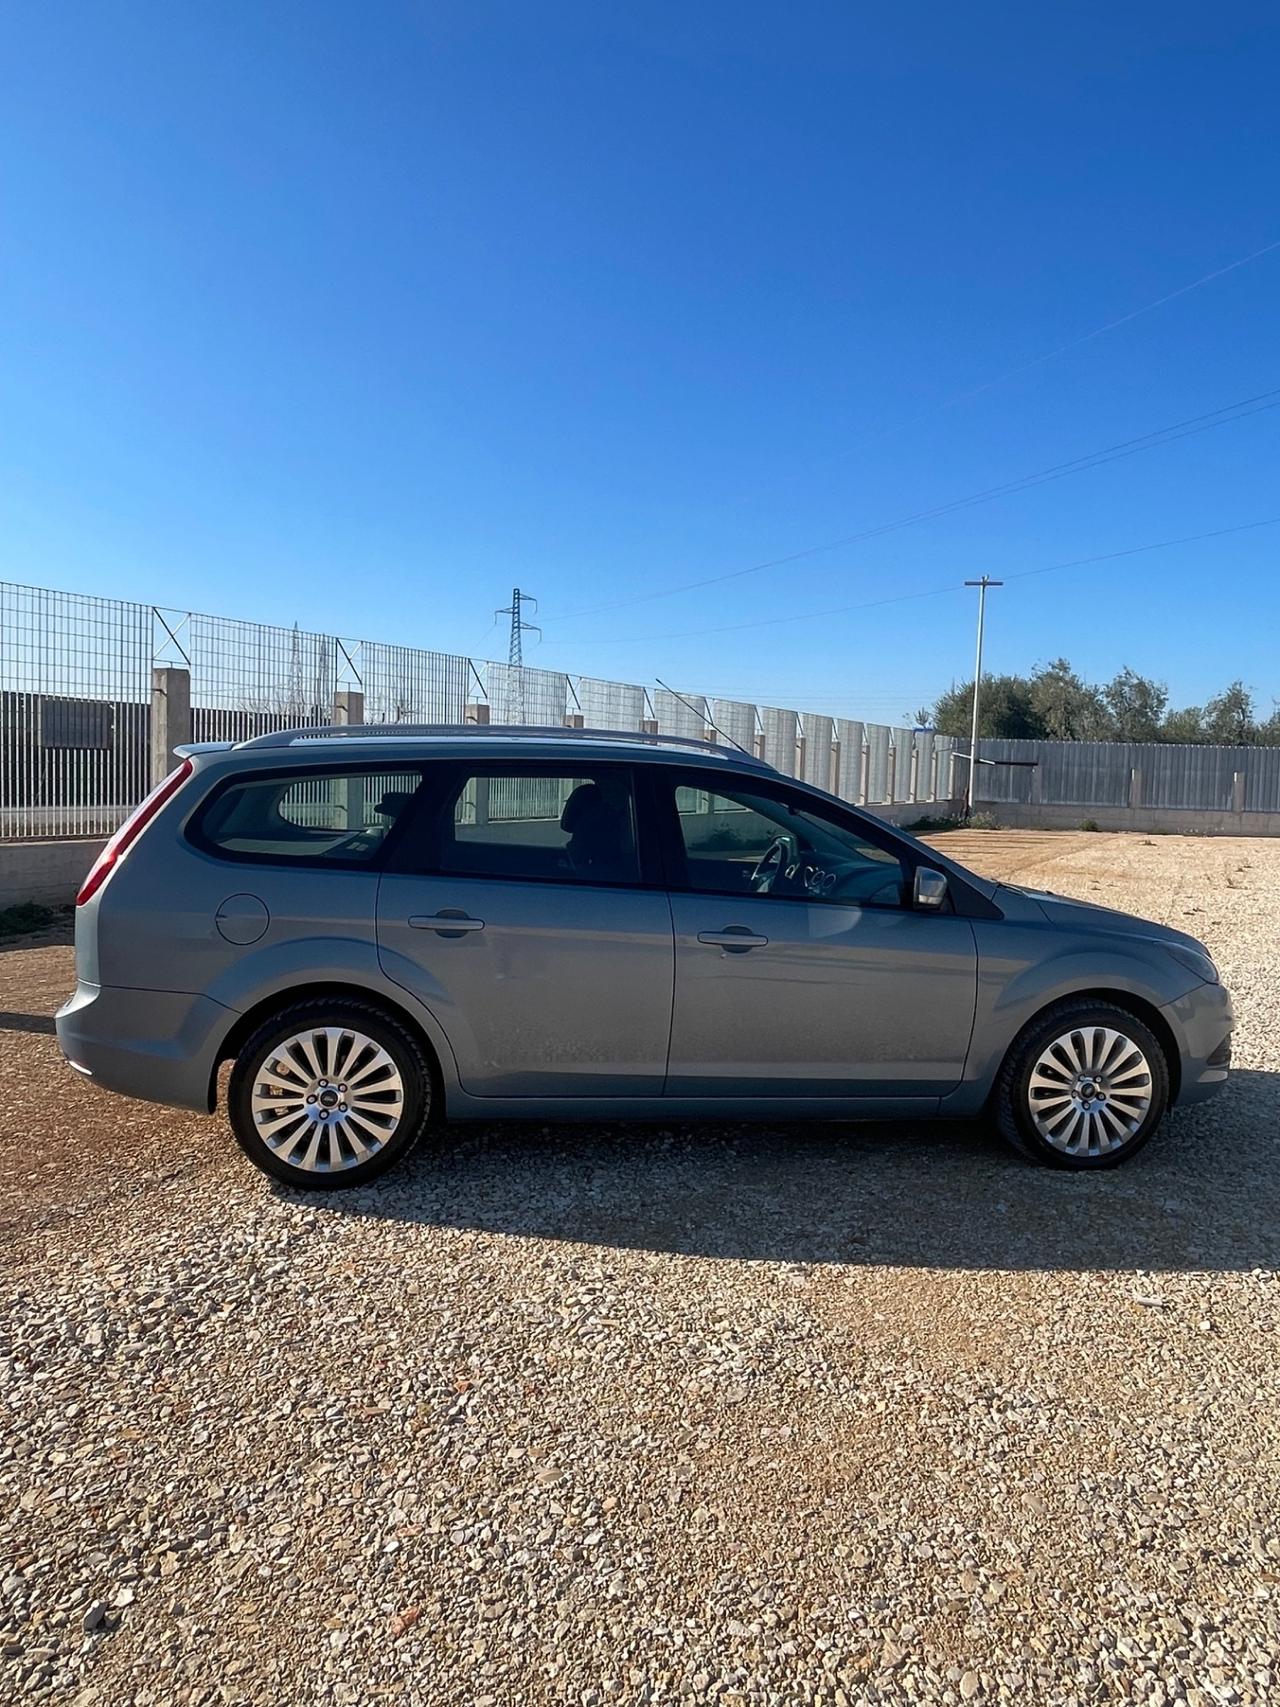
x: 825, y: 1415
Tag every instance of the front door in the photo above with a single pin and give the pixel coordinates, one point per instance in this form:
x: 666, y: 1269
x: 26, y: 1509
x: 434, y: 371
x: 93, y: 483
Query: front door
x: 519, y: 918
x: 801, y: 967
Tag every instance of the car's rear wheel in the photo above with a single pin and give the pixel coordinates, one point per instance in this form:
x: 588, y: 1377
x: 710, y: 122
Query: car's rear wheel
x: 329, y: 1094
x: 1083, y: 1087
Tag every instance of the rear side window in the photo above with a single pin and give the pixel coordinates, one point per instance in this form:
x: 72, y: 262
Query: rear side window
x: 338, y: 817
x: 577, y: 827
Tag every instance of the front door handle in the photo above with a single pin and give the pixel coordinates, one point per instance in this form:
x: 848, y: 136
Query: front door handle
x: 445, y: 923
x: 735, y: 939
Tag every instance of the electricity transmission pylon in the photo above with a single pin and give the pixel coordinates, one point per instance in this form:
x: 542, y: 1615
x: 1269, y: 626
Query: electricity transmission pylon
x: 515, y: 647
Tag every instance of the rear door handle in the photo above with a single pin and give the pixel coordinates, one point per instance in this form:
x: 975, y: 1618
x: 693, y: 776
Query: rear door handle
x: 735, y: 938
x: 445, y: 923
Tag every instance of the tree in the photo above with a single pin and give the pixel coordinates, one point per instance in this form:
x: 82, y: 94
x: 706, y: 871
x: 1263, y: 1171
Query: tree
x: 1005, y: 709
x: 1136, y: 704
x: 1068, y: 708
x: 1184, y: 725
x: 1228, y: 717
x: 1056, y: 704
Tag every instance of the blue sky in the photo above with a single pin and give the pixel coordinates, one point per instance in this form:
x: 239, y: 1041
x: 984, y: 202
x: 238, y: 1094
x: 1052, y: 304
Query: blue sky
x: 356, y: 316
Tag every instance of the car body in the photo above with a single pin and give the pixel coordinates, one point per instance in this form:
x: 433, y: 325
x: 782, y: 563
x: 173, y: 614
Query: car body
x: 575, y: 923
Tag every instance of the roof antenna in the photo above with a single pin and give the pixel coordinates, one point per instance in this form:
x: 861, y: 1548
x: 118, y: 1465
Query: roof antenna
x: 689, y: 706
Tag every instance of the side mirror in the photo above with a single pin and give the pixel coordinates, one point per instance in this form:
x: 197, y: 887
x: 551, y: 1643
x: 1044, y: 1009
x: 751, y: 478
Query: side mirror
x: 929, y: 890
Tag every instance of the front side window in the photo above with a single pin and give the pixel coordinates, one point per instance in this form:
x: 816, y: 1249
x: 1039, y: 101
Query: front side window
x: 577, y: 827
x: 740, y: 842
x: 329, y: 817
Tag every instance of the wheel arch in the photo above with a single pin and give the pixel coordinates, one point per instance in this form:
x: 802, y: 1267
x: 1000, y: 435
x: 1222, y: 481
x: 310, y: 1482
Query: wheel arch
x: 278, y: 1001
x: 1129, y: 1003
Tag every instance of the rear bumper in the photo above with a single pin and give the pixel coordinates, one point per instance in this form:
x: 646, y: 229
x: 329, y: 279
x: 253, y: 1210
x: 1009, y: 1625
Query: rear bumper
x: 159, y: 1045
x: 1202, y: 1021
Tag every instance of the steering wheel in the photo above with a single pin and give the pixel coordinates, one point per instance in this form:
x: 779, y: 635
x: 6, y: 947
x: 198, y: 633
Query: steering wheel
x: 769, y: 866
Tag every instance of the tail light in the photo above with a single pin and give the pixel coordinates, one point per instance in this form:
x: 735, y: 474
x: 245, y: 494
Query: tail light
x: 129, y: 832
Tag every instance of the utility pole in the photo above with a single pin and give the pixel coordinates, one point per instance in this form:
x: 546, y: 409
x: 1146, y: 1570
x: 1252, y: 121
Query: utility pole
x: 515, y: 647
x: 982, y: 586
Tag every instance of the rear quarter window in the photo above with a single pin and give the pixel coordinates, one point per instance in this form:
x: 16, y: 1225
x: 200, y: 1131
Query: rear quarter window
x: 339, y: 817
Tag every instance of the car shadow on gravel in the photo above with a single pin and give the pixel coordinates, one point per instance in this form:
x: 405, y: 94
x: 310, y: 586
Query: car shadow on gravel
x: 1205, y: 1194
x: 41, y: 1023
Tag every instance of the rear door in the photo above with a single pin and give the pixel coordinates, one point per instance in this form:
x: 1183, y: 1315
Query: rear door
x: 526, y: 914
x: 273, y: 882
x: 801, y: 967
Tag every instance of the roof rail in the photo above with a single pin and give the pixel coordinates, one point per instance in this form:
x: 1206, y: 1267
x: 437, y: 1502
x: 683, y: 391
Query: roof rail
x: 536, y: 732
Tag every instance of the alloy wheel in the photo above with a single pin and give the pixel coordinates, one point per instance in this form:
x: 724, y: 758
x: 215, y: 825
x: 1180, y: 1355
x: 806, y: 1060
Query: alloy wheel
x: 1089, y: 1091
x: 327, y: 1099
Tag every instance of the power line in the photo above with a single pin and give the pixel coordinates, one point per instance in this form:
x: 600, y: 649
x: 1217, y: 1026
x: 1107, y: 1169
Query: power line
x: 1088, y: 337
x: 932, y: 592
x: 1153, y: 440
x: 878, y: 434
x: 757, y: 695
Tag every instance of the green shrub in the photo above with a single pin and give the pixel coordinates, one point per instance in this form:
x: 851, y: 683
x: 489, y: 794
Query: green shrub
x: 923, y: 826
x: 27, y: 916
x: 936, y: 826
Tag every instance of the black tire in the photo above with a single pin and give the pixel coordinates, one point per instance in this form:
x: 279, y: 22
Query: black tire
x: 417, y: 1084
x: 1011, y: 1100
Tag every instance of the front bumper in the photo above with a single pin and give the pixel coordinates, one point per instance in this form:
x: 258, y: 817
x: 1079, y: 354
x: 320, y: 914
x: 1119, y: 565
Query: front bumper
x: 160, y: 1045
x: 1201, y: 1021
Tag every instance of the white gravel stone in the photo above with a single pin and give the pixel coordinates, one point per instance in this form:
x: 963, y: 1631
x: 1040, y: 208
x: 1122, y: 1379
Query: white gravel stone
x: 754, y: 1416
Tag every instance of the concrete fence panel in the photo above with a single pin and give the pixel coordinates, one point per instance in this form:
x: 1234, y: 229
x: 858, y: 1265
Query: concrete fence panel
x: 683, y: 714
x: 609, y: 705
x: 878, y: 747
x: 850, y: 733
x: 518, y: 693
x: 781, y: 738
x: 738, y: 721
x: 817, y: 745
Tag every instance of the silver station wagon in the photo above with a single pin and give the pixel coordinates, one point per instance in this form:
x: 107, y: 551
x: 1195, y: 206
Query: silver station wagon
x: 381, y: 928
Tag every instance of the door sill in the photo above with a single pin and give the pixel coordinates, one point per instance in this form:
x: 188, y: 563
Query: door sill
x: 464, y: 1107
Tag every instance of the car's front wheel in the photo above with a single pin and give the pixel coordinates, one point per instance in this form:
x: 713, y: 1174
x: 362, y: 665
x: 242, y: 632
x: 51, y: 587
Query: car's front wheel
x: 1084, y: 1087
x: 327, y: 1094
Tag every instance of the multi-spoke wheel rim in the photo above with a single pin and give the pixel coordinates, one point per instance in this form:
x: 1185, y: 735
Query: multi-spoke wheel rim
x: 327, y: 1099
x: 1089, y: 1091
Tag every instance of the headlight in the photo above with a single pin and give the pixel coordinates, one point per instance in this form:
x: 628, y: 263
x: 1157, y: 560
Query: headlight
x: 1195, y: 960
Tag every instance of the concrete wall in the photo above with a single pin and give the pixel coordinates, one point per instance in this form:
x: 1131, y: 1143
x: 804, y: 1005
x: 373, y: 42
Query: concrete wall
x: 48, y: 872
x: 1162, y: 820
x: 910, y: 812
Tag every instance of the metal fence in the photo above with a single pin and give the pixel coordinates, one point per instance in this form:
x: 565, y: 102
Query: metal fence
x: 75, y: 691
x: 1125, y: 773
x: 76, y: 720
